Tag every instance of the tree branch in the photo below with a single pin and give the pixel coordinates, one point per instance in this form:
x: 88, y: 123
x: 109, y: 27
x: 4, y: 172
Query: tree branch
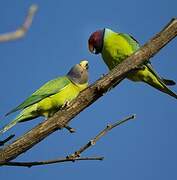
x: 89, y: 95
x: 76, y: 156
x: 21, y: 31
x: 61, y: 160
x: 93, y: 141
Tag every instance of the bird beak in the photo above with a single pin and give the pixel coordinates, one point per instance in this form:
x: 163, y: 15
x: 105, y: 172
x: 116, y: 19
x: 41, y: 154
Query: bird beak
x: 91, y: 48
x: 84, y: 64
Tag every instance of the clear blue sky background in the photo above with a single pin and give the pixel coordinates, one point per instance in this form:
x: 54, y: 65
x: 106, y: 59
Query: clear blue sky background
x: 142, y: 149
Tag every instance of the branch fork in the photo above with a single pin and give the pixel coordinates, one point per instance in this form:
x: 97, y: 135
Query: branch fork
x: 76, y: 156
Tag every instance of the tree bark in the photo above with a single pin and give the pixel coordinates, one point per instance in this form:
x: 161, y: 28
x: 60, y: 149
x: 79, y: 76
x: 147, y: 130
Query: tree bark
x: 89, y: 95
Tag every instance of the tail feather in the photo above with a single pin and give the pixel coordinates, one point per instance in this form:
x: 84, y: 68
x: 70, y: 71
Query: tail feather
x: 21, y: 118
x: 25, y: 115
x: 168, y: 82
x: 162, y: 87
x: 169, y: 92
x: 157, y: 82
x: 9, y: 126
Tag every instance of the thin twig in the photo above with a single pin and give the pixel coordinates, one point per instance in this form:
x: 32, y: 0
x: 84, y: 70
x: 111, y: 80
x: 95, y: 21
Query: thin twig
x: 76, y: 156
x: 7, y: 139
x: 30, y: 164
x: 101, y: 134
x: 21, y: 31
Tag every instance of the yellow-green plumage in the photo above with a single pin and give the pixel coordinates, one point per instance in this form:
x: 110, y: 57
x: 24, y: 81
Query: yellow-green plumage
x: 52, y: 96
x: 117, y: 47
x: 49, y: 105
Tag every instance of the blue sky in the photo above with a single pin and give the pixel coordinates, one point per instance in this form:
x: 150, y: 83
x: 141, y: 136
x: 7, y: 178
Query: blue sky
x: 142, y: 149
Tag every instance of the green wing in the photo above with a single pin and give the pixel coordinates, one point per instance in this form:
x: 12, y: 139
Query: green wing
x: 135, y: 46
x: 167, y: 82
x: 150, y: 68
x: 48, y: 89
x: 131, y: 40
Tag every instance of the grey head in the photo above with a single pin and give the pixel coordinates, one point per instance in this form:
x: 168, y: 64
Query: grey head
x: 78, y: 74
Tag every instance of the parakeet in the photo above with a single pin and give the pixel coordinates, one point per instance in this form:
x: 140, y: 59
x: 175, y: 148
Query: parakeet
x: 116, y: 47
x: 52, y: 95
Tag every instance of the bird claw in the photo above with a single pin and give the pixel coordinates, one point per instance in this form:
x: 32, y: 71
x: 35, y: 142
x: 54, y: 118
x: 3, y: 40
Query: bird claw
x: 66, y: 104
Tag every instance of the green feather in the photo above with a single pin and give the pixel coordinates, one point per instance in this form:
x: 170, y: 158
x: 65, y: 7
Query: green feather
x: 118, y: 46
x: 48, y: 89
x: 49, y: 98
x: 131, y: 40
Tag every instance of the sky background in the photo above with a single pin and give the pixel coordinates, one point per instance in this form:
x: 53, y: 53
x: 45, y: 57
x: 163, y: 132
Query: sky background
x: 141, y: 149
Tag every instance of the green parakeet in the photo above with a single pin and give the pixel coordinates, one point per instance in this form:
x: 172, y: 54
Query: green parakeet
x: 115, y: 47
x: 52, y: 96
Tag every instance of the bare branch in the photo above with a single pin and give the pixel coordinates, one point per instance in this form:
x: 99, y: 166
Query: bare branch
x: 20, y: 32
x: 89, y: 95
x: 30, y: 164
x: 76, y: 156
x: 101, y: 134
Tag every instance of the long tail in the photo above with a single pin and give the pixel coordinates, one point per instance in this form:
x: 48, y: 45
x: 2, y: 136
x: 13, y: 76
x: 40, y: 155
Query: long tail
x: 153, y: 79
x: 160, y: 84
x: 166, y: 90
x: 24, y: 116
x: 10, y: 125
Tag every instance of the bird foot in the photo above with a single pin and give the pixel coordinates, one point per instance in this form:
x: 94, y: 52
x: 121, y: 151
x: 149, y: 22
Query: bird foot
x: 66, y: 104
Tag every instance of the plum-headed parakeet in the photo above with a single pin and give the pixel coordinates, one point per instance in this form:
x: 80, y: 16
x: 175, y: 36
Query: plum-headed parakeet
x: 52, y: 96
x: 116, y: 47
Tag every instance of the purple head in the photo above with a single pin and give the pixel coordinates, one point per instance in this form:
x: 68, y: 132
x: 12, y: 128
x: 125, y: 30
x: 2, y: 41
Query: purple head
x: 95, y: 42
